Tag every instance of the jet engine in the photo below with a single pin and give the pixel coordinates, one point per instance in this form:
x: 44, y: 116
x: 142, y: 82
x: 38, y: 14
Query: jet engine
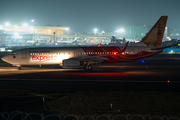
x: 71, y: 63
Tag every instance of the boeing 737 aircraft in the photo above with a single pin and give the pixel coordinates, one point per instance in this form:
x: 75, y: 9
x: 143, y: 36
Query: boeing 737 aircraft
x: 87, y: 56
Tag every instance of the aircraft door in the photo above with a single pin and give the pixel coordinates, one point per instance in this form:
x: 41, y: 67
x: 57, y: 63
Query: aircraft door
x: 24, y: 54
x: 140, y: 52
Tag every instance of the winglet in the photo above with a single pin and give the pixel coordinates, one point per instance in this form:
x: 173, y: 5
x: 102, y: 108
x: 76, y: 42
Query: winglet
x: 124, y: 47
x: 99, y: 45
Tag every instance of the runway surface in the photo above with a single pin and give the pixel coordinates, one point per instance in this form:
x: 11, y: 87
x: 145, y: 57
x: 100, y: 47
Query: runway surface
x: 152, y: 71
x: 53, y: 82
x: 132, y: 76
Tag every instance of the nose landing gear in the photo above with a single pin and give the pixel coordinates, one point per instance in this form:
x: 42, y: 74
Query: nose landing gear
x: 19, y: 68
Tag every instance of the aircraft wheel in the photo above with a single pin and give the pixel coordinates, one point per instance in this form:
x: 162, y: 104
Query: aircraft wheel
x: 19, y: 68
x: 85, y: 66
x: 89, y: 67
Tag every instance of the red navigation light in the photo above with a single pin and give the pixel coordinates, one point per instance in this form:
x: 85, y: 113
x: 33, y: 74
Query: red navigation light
x: 115, y: 53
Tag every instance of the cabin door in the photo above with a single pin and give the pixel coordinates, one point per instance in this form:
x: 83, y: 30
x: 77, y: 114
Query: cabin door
x: 24, y: 54
x: 140, y: 52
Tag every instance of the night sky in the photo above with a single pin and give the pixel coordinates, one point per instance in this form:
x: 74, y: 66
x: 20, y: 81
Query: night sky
x: 85, y: 15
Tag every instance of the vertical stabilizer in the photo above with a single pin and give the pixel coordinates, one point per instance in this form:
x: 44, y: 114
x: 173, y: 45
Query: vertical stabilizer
x: 155, y: 35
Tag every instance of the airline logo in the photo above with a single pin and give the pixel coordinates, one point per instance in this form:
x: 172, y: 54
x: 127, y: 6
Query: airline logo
x: 44, y: 58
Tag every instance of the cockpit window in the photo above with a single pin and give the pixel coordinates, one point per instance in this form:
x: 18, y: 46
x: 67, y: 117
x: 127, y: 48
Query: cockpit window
x: 12, y: 53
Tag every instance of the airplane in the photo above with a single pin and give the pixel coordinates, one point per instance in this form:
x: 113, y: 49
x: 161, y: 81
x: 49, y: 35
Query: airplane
x: 67, y: 42
x: 87, y: 56
x: 85, y: 40
x: 82, y: 42
x: 31, y: 42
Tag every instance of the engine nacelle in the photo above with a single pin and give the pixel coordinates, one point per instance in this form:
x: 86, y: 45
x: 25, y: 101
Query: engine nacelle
x: 71, y: 63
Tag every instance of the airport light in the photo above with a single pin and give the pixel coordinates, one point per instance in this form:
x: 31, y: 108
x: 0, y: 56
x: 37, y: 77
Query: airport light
x: 67, y: 29
x: 7, y: 24
x: 25, y: 25
x: 95, y: 30
x: 122, y: 30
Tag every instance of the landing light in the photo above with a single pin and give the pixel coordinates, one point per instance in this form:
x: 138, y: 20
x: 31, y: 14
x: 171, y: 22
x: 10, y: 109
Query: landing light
x: 122, y: 53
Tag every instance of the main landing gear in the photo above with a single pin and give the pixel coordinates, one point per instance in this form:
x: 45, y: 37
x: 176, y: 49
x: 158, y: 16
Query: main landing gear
x: 88, y: 67
x: 19, y: 67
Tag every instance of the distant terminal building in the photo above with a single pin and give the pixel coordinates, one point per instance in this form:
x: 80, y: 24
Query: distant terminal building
x: 47, y: 30
x: 174, y: 32
x: 172, y: 50
x: 23, y: 34
x: 138, y: 32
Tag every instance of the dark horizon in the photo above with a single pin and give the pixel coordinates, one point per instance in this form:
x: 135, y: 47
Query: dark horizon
x: 84, y: 16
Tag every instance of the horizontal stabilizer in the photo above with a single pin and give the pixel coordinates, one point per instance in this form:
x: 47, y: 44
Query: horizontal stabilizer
x: 159, y: 48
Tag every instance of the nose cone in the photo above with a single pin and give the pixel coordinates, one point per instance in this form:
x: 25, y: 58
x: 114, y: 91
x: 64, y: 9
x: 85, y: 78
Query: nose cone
x: 5, y: 58
x: 8, y: 59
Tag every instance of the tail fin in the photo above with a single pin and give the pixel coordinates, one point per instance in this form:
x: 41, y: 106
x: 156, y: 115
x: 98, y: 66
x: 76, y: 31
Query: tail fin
x: 155, y: 35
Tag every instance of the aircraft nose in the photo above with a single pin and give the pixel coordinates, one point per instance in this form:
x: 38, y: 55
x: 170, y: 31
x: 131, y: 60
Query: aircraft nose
x: 4, y: 58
